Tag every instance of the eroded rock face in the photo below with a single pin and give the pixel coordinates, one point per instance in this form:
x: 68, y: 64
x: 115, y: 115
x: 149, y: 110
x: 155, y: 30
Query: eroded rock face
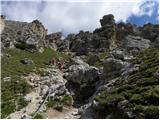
x: 11, y: 33
x: 33, y: 34
x: 80, y: 74
x: 80, y: 43
x: 99, y: 41
x: 108, y: 30
x: 24, y: 35
x: 83, y: 77
x: 136, y: 43
x: 112, y: 67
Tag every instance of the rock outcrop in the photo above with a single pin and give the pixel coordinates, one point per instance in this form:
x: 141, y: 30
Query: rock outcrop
x: 23, y: 35
x: 84, y: 77
x: 55, y: 41
x: 108, y: 30
x: 135, y: 44
x: 33, y: 35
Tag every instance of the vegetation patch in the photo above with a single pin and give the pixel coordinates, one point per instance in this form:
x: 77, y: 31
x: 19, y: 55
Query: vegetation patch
x: 140, y: 89
x: 38, y: 116
x: 60, y: 102
x: 15, y: 88
x: 101, y: 57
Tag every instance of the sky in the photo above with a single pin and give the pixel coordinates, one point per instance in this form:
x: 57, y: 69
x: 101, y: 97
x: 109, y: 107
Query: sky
x: 71, y: 16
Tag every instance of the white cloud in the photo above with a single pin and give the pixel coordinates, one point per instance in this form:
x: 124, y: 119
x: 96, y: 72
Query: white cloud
x: 145, y: 8
x: 74, y: 16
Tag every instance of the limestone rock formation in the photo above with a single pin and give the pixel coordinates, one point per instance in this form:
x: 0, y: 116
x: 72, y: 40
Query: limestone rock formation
x: 23, y: 35
x: 51, y: 40
x: 136, y: 43
x: 108, y: 30
x: 33, y: 34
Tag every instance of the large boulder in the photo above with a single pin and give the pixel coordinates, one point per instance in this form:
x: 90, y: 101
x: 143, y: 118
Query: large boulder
x: 82, y: 80
x: 82, y: 74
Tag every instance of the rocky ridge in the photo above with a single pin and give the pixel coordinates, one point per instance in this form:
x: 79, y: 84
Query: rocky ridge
x: 110, y: 73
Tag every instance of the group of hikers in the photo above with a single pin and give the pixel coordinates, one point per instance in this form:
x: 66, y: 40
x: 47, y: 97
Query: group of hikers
x: 57, y: 63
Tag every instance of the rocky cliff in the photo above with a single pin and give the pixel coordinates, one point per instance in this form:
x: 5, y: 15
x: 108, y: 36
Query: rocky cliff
x: 112, y: 72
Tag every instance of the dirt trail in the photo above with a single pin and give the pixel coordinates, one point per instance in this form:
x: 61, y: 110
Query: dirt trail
x: 67, y: 113
x: 36, y: 104
x: 29, y: 109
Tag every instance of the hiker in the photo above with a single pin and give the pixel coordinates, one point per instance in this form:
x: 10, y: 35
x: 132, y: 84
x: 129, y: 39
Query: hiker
x: 53, y: 61
x: 60, y: 66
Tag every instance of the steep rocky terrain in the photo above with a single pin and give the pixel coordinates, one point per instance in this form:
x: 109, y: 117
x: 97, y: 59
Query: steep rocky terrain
x: 112, y: 72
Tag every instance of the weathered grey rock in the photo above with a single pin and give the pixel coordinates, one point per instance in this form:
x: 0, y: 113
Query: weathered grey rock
x: 129, y: 68
x: 52, y: 39
x: 10, y: 34
x: 80, y: 43
x: 87, y: 111
x: 108, y: 30
x: 58, y: 89
x: 118, y: 54
x: 33, y: 34
x: 130, y: 115
x: 107, y: 19
x: 26, y: 61
x: 136, y: 42
x: 77, y: 61
x: 93, y: 59
x: 7, y: 79
x: 82, y: 80
x: 57, y: 42
x: 112, y: 67
x: 80, y: 74
x: 27, y: 98
x: 44, y: 90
